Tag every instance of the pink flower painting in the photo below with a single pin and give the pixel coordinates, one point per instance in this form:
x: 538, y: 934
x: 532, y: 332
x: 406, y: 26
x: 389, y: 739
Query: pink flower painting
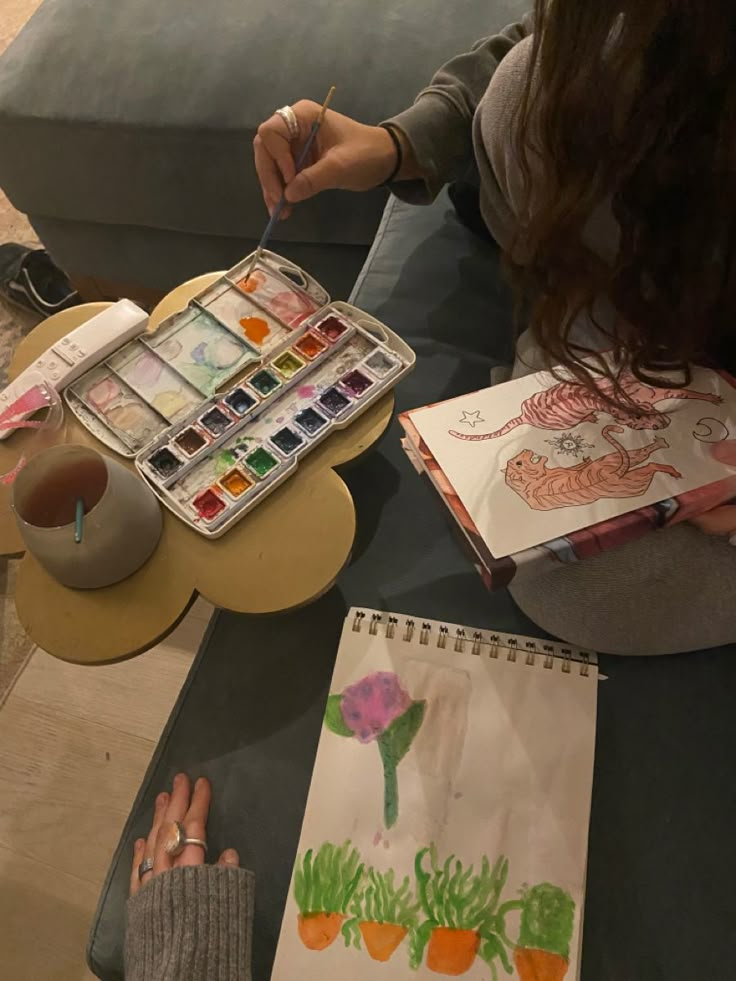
x: 379, y: 709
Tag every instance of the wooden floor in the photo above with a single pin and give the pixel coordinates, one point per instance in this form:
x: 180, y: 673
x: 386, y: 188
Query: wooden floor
x: 74, y: 745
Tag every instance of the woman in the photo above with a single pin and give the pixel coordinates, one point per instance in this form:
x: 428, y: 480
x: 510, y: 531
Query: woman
x: 602, y: 136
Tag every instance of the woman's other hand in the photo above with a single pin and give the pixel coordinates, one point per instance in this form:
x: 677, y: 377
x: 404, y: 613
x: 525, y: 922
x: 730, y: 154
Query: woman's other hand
x: 191, y: 811
x: 346, y: 154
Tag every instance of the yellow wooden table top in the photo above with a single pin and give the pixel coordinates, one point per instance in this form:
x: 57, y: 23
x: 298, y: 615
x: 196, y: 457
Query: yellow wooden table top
x: 285, y: 553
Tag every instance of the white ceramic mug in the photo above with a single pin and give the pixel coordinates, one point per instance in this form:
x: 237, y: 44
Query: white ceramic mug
x: 122, y: 520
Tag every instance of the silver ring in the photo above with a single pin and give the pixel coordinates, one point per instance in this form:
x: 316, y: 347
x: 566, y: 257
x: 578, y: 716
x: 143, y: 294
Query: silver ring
x: 292, y: 123
x: 145, y: 866
x: 176, y: 840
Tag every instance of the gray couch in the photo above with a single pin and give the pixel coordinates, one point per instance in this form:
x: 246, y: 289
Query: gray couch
x: 660, y: 901
x: 126, y: 126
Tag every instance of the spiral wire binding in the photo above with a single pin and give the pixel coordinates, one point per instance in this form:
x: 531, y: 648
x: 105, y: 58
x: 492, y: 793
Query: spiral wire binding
x: 530, y: 656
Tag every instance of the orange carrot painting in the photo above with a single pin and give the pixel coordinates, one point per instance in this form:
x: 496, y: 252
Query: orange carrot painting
x: 324, y: 884
x: 384, y: 913
x: 461, y: 908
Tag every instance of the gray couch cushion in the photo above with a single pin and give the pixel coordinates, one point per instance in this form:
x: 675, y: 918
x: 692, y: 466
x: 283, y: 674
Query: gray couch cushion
x: 140, y: 113
x: 660, y: 898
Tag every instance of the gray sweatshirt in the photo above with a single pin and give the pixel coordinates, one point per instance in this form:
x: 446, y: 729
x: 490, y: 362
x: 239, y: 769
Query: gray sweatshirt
x: 462, y: 121
x: 195, y: 924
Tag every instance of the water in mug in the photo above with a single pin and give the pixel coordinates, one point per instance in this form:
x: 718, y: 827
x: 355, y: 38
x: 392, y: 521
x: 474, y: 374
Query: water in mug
x: 53, y: 503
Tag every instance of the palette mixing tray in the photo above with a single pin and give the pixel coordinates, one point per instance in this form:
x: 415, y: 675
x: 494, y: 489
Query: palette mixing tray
x: 220, y: 403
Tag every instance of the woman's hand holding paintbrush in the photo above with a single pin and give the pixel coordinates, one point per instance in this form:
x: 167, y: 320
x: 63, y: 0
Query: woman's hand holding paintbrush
x: 345, y: 154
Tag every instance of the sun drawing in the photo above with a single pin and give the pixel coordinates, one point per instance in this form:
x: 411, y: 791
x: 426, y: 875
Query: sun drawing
x: 569, y: 444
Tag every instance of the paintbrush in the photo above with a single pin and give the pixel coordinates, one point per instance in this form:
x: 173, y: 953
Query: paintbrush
x: 301, y: 160
x: 78, y: 520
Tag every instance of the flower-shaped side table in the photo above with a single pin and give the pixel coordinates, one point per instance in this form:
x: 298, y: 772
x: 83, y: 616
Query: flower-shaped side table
x: 285, y: 553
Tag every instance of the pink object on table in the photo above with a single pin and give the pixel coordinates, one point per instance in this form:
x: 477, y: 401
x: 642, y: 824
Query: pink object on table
x: 31, y: 401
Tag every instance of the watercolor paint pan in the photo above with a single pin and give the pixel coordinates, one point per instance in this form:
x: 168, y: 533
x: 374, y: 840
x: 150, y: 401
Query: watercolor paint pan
x: 334, y: 402
x: 261, y: 462
x: 216, y: 421
x: 310, y: 421
x: 333, y: 328
x: 191, y: 441
x: 310, y: 346
x: 356, y: 383
x: 164, y: 464
x: 380, y: 364
x: 241, y: 401
x: 287, y: 441
x: 236, y: 483
x: 233, y: 494
x: 288, y: 365
x: 265, y: 382
x: 209, y: 505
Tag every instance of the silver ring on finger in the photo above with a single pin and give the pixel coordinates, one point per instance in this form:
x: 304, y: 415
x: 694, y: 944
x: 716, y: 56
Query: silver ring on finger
x: 292, y: 123
x: 145, y: 866
x: 176, y: 840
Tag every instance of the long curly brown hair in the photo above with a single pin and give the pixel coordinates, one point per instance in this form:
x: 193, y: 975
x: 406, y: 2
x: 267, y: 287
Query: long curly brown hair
x: 631, y: 102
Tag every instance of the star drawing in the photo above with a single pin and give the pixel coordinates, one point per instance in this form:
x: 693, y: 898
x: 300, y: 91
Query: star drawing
x: 471, y: 418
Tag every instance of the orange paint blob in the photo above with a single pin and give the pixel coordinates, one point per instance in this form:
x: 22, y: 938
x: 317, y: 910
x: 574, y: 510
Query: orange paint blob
x: 252, y: 282
x: 539, y: 965
x: 452, y: 951
x: 255, y: 329
x: 318, y: 930
x: 381, y: 939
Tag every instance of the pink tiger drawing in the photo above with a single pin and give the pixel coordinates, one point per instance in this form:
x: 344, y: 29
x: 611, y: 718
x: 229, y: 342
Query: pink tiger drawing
x: 567, y: 404
x: 613, y: 475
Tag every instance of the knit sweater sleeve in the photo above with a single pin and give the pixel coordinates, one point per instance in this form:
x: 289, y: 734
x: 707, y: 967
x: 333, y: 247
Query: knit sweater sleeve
x: 193, y: 922
x: 439, y: 126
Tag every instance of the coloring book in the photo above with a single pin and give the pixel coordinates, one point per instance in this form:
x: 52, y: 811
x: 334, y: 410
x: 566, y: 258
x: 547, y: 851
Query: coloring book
x: 541, y: 470
x: 446, y: 827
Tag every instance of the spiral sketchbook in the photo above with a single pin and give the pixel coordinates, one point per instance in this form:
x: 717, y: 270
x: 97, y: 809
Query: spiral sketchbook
x: 446, y: 826
x: 539, y: 471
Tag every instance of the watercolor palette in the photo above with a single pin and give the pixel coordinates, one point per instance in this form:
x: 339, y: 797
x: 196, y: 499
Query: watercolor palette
x: 221, y: 402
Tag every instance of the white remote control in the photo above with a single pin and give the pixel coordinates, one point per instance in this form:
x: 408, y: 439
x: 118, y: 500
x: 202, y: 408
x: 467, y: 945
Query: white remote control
x: 79, y: 351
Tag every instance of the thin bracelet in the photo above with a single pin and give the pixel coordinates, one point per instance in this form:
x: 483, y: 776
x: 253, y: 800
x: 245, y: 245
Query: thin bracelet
x: 399, y: 153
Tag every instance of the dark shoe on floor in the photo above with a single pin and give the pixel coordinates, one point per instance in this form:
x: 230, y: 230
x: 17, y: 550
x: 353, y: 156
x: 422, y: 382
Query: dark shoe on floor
x: 30, y: 279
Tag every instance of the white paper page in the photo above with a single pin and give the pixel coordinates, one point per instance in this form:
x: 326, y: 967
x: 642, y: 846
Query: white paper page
x: 500, y: 767
x: 514, y: 485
